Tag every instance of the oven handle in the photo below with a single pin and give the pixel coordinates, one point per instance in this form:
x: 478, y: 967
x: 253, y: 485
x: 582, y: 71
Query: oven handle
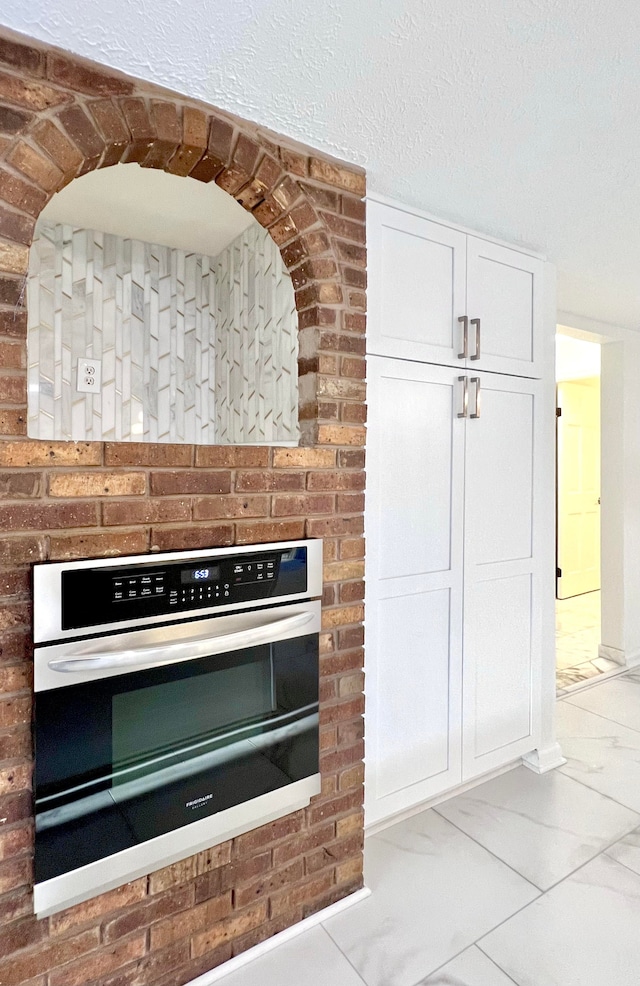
x: 184, y: 650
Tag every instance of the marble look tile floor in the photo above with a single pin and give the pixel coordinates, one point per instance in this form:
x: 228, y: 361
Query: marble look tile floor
x: 577, y: 641
x: 527, y: 880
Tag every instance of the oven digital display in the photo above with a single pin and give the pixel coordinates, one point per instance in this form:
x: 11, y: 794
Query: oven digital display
x: 204, y: 574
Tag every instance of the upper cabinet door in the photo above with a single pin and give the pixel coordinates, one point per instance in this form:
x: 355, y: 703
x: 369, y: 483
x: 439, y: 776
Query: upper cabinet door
x: 504, y: 292
x: 416, y: 286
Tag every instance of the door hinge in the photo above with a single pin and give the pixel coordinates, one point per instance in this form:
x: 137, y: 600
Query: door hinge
x: 558, y: 573
x: 558, y: 412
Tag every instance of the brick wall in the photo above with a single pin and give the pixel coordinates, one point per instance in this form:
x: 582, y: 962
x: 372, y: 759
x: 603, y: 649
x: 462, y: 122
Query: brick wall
x: 61, y: 117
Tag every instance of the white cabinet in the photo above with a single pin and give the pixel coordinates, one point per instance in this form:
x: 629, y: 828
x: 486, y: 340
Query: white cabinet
x: 440, y: 295
x: 452, y: 578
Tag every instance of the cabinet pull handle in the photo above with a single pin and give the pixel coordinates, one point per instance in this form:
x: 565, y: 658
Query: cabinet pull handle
x: 465, y: 336
x: 476, y: 322
x: 465, y: 397
x: 476, y: 413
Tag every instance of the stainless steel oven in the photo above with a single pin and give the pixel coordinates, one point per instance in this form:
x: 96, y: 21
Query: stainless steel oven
x: 176, y: 706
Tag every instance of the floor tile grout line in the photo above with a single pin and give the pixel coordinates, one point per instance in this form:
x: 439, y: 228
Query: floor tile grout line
x: 605, y: 852
x: 497, y: 965
x: 606, y: 718
x: 346, y: 957
x: 579, y: 781
x: 490, y: 851
x: 599, y: 852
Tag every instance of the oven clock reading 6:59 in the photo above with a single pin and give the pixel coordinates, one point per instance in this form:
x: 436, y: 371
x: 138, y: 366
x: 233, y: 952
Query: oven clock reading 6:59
x: 200, y: 574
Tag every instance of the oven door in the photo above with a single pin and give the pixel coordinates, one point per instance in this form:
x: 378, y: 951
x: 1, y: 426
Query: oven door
x: 141, y: 736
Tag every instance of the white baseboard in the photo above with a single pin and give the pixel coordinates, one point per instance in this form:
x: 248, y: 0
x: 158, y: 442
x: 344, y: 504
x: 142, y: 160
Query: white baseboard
x: 612, y: 654
x: 544, y: 760
x: 215, y: 975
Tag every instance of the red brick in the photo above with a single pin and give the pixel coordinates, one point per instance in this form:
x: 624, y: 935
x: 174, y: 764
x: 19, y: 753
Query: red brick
x: 100, y: 962
x: 91, y: 911
x: 250, y: 532
x: 111, y: 124
x: 233, y: 927
x: 20, y: 56
x: 350, y: 503
x: 190, y: 922
x: 96, y: 484
x: 343, y: 710
x: 142, y: 454
x: 195, y: 125
x: 14, y: 583
x: 338, y: 175
x: 168, y: 134
x: 177, y: 483
x: 351, y: 458
x: 302, y: 894
x: 14, y: 324
x: 267, y: 834
x: 244, y: 870
x: 35, y: 453
x: 77, y: 75
x: 218, y: 151
x: 336, y: 481
x: 21, y: 194
x: 191, y: 538
x: 13, y: 422
x: 334, y: 526
x: 301, y: 506
x: 18, y: 227
x: 145, y: 914
x: 21, y: 550
x: 145, y: 512
x: 274, y: 881
x: 83, y: 134
x: 304, y: 458
x: 49, y: 516
x: 14, y: 873
x: 16, y: 745
x: 12, y: 615
x: 13, y: 121
x: 269, y: 481
x: 12, y: 293
x: 232, y: 456
x: 335, y: 806
x: 304, y: 843
x: 98, y: 545
x: 18, y: 485
x: 230, y: 507
x: 57, y: 145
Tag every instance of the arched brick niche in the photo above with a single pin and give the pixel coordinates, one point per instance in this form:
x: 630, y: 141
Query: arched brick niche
x: 59, y: 118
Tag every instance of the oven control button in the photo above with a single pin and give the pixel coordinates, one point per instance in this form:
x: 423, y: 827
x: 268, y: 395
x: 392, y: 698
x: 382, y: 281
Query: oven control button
x: 132, y: 593
x: 159, y: 590
x: 227, y: 592
x: 146, y: 591
x: 271, y: 575
x: 118, y: 595
x: 271, y: 564
x: 145, y: 580
x: 259, y: 576
x: 260, y: 566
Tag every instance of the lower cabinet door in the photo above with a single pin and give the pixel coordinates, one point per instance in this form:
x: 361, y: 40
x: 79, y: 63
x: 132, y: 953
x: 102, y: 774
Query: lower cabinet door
x: 502, y: 573
x: 415, y: 461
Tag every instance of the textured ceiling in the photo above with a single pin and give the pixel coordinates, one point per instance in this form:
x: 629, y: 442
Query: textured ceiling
x: 519, y: 118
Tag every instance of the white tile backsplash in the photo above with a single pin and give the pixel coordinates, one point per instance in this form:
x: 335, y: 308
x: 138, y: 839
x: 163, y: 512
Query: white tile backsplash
x: 194, y: 349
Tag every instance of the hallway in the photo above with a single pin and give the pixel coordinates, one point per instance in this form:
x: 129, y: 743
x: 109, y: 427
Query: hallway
x: 528, y: 880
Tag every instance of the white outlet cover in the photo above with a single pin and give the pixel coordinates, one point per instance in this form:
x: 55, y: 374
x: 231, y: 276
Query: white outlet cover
x: 89, y: 379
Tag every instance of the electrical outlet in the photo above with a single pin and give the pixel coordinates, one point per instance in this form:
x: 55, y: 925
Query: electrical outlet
x: 89, y: 376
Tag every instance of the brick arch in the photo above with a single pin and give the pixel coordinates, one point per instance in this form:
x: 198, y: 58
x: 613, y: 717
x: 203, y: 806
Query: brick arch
x: 76, y: 133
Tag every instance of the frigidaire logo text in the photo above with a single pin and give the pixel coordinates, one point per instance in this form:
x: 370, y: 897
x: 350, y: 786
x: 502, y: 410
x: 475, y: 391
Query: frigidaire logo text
x: 198, y: 801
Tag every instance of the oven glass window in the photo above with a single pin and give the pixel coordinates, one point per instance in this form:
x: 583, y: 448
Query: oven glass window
x: 127, y: 758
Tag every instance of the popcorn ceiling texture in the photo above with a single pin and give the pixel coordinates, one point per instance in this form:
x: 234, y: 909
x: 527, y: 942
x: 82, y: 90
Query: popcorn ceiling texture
x: 60, y: 118
x: 516, y: 119
x: 193, y: 348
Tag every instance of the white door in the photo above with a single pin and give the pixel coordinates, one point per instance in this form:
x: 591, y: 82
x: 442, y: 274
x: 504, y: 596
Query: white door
x: 502, y: 572
x: 579, y: 486
x: 504, y: 306
x: 416, y: 278
x: 415, y: 448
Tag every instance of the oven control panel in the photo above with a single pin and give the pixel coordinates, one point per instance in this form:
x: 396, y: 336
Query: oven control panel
x: 100, y: 595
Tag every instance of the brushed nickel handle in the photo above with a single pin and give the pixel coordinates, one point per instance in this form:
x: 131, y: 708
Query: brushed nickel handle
x: 465, y: 336
x: 476, y: 322
x: 183, y: 650
x: 465, y: 397
x: 476, y: 413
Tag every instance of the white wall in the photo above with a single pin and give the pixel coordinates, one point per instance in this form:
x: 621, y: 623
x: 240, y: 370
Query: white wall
x: 476, y: 112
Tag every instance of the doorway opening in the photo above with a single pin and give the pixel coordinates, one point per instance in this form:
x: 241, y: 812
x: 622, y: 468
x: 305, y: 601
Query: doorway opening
x: 578, y: 461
